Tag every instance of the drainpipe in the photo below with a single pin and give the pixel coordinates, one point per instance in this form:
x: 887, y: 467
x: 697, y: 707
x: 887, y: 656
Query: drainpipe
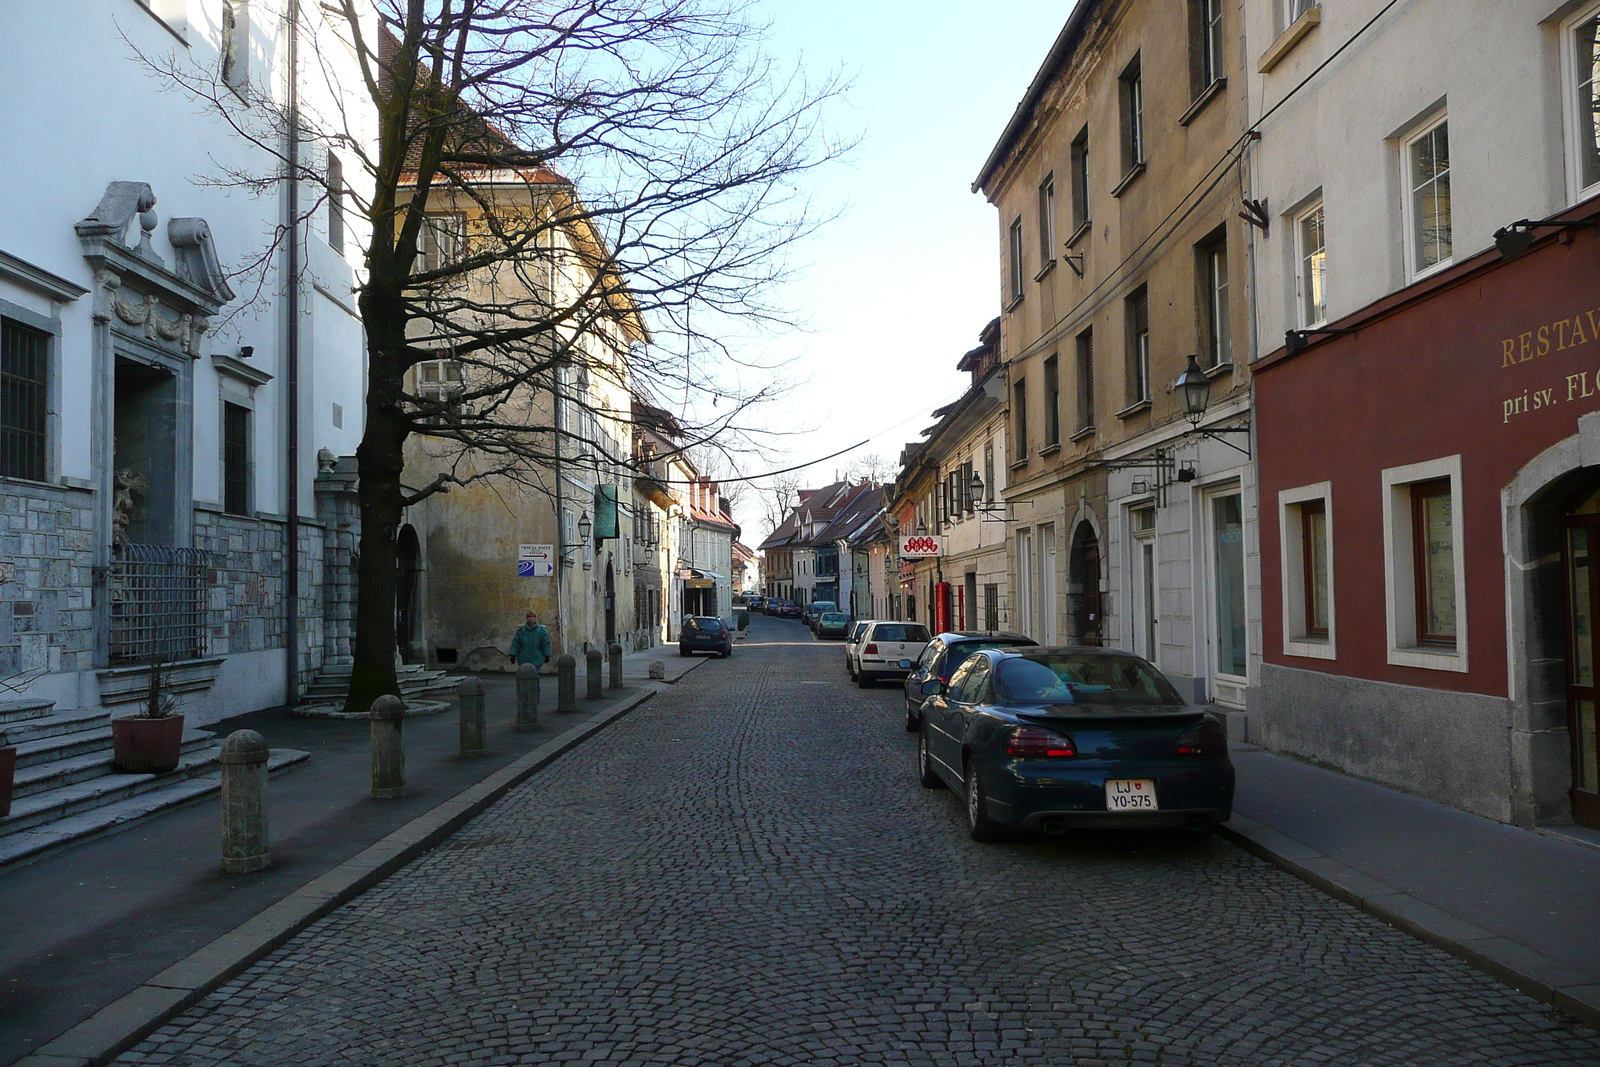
x: 291, y: 553
x: 561, y: 529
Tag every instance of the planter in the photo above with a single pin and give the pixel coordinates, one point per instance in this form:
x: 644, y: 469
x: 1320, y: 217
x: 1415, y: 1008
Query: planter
x: 8, y: 777
x: 142, y: 745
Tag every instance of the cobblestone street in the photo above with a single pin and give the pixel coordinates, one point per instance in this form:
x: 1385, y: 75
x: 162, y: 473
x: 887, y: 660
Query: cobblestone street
x: 745, y: 871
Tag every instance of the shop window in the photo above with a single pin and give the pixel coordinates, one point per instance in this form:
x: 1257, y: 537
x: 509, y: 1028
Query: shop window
x: 1427, y: 203
x: 24, y: 389
x: 1425, y: 578
x: 1311, y: 258
x: 1306, y: 563
x: 1581, y: 59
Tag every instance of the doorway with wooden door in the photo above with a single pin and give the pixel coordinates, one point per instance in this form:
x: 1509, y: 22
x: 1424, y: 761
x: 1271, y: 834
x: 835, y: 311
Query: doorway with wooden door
x: 1580, y: 543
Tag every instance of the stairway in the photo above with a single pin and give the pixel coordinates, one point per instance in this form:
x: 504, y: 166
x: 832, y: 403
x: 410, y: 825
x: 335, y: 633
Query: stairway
x: 67, y: 788
x: 417, y: 685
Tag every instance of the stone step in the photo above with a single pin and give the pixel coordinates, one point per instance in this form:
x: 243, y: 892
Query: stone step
x: 83, y: 742
x: 169, y: 792
x: 59, y: 724
x: 53, y: 804
x: 23, y: 710
x: 45, y: 774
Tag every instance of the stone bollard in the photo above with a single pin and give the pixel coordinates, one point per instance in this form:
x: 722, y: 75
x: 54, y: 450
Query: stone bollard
x: 614, y: 654
x: 658, y: 669
x: 246, y: 845
x: 527, y: 698
x: 388, y: 716
x: 470, y: 694
x: 592, y: 670
x: 566, y: 682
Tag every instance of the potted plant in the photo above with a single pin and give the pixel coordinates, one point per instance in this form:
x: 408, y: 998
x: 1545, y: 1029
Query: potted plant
x: 152, y: 741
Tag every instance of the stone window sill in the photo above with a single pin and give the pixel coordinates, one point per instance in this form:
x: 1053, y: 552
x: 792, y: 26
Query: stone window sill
x: 1208, y: 94
x: 1050, y: 449
x: 1290, y: 37
x: 1011, y: 305
x: 1087, y: 431
x: 1133, y: 409
x: 1080, y: 233
x: 1049, y: 266
x: 1220, y: 370
x: 1128, y: 179
x: 1018, y: 464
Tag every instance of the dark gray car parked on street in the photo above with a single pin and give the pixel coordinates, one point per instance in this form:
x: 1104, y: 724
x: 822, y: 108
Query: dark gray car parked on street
x: 941, y: 658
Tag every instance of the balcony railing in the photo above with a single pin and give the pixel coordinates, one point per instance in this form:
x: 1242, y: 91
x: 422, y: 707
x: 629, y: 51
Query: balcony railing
x: 158, y: 601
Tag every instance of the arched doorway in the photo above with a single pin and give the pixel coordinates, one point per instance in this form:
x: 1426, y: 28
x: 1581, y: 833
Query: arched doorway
x: 1580, y: 559
x: 408, y: 571
x: 611, y: 604
x: 1083, y: 588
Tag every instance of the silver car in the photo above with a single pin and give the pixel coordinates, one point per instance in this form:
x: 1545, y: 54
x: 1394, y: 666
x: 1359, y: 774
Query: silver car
x: 852, y: 645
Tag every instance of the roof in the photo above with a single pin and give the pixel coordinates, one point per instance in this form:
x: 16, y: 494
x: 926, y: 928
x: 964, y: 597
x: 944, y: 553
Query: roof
x: 861, y: 508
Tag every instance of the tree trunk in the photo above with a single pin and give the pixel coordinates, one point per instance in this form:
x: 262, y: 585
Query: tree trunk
x: 381, y: 460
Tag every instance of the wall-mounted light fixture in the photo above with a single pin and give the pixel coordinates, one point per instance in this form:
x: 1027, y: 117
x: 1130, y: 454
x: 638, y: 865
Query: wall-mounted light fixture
x: 1194, y: 386
x: 1513, y: 240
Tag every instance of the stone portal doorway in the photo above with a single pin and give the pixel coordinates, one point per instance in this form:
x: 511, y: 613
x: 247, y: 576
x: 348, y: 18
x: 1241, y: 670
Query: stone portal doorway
x: 1088, y: 616
x: 1580, y: 551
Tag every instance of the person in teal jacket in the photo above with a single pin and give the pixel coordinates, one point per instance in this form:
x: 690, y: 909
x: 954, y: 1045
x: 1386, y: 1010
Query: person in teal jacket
x: 531, y: 644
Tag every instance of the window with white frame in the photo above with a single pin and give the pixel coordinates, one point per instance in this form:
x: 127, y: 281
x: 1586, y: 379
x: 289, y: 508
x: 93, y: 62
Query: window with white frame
x: 1311, y: 258
x: 1137, y: 312
x: 1305, y: 524
x: 1581, y: 60
x: 1132, y: 86
x: 1427, y: 204
x: 1015, y: 238
x: 1424, y: 569
x: 1210, y: 43
x: 1047, y: 221
x: 1080, y: 182
x: 1293, y: 9
x: 1212, y: 259
x: 441, y: 240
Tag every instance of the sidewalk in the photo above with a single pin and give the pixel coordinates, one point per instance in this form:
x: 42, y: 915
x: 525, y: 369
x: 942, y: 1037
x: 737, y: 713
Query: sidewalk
x: 81, y: 928
x: 1522, y: 905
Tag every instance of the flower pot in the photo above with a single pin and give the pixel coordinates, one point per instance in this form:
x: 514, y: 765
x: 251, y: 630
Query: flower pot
x: 8, y: 777
x: 142, y: 745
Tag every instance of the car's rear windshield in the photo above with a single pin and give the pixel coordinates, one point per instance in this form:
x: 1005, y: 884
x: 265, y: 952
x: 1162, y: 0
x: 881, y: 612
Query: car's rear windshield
x: 835, y: 616
x: 1064, y: 678
x: 900, y: 631
x: 823, y: 605
x: 711, y: 625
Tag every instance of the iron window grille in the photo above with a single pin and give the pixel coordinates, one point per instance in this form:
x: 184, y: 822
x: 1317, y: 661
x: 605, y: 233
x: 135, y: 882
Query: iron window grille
x: 24, y: 370
x: 158, y: 601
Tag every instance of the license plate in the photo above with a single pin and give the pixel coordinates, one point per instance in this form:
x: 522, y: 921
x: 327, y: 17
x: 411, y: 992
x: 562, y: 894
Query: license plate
x: 1131, y: 794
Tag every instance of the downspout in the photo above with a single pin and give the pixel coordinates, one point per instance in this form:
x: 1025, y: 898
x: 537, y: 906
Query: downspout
x: 292, y: 373
x: 561, y: 528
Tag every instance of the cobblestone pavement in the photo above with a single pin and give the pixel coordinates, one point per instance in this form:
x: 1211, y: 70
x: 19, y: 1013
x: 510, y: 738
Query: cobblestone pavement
x: 745, y: 871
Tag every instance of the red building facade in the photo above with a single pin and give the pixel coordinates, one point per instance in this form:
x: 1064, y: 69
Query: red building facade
x: 1430, y: 497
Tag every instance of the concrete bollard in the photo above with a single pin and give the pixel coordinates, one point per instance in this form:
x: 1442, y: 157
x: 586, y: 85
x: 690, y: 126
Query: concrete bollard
x: 388, y: 716
x: 614, y: 654
x: 658, y: 669
x: 527, y: 698
x: 593, y: 669
x: 566, y: 682
x: 246, y: 845
x: 470, y: 695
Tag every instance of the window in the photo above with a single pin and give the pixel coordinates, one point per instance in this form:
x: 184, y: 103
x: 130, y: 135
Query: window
x: 1047, y: 221
x: 1086, y: 380
x: 1137, y: 309
x: 1229, y: 633
x: 1016, y: 258
x: 991, y: 607
x: 988, y: 474
x: 1052, y: 402
x: 1423, y: 568
x: 441, y: 241
x: 1427, y: 161
x: 1080, y: 182
x: 1312, y: 272
x: 1132, y: 117
x: 335, y: 203
x: 1208, y: 45
x: 1293, y: 9
x: 236, y: 44
x: 1304, y: 518
x: 1585, y: 66
x: 439, y: 379
x: 235, y: 459
x: 1213, y: 269
x: 24, y: 387
x: 1019, y: 421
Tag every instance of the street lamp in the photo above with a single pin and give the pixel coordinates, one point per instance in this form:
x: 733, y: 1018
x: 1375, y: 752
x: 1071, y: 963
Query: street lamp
x: 1195, y: 388
x: 922, y: 529
x: 585, y: 527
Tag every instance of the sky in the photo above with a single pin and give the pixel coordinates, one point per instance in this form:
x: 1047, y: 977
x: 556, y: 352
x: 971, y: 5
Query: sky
x: 897, y: 289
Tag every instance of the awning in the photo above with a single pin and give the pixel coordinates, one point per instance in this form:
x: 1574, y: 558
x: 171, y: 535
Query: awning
x: 713, y: 575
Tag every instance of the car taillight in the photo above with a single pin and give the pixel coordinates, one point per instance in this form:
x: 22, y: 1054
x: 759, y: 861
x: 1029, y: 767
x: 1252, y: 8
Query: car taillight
x: 870, y: 650
x: 1030, y: 742
x: 1207, y: 738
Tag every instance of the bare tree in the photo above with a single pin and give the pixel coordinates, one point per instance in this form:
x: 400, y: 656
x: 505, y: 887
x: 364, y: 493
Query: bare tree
x: 871, y: 466
x: 554, y: 187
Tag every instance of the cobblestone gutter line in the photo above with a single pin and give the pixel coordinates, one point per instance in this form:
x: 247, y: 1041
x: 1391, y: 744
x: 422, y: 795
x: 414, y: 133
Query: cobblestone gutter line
x: 1515, y: 964
x: 122, y: 1023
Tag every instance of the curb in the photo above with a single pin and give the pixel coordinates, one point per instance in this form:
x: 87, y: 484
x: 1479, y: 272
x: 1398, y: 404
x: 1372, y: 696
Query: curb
x: 124, y: 1022
x: 1524, y: 969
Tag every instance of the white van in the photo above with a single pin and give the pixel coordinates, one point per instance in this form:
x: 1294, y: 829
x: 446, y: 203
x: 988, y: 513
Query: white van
x: 884, y: 646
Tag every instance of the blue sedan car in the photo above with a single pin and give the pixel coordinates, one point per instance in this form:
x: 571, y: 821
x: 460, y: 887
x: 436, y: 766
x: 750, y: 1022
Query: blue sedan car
x: 1057, y: 738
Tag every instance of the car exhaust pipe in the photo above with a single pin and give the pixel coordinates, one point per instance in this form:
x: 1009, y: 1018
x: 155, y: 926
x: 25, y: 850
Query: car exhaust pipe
x: 1054, y: 826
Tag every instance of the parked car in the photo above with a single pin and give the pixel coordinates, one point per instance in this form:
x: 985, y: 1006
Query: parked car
x: 852, y: 645
x: 755, y: 603
x: 787, y: 609
x: 705, y: 633
x: 816, y: 609
x: 942, y: 656
x: 887, y: 649
x: 832, y: 624
x: 1055, y: 738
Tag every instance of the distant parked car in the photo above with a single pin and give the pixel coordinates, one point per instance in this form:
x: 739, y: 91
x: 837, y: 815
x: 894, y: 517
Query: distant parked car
x: 852, y: 645
x: 832, y: 624
x: 787, y: 609
x: 1053, y: 738
x: 755, y: 603
x: 942, y: 656
x: 705, y: 633
x: 816, y: 609
x: 886, y: 646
